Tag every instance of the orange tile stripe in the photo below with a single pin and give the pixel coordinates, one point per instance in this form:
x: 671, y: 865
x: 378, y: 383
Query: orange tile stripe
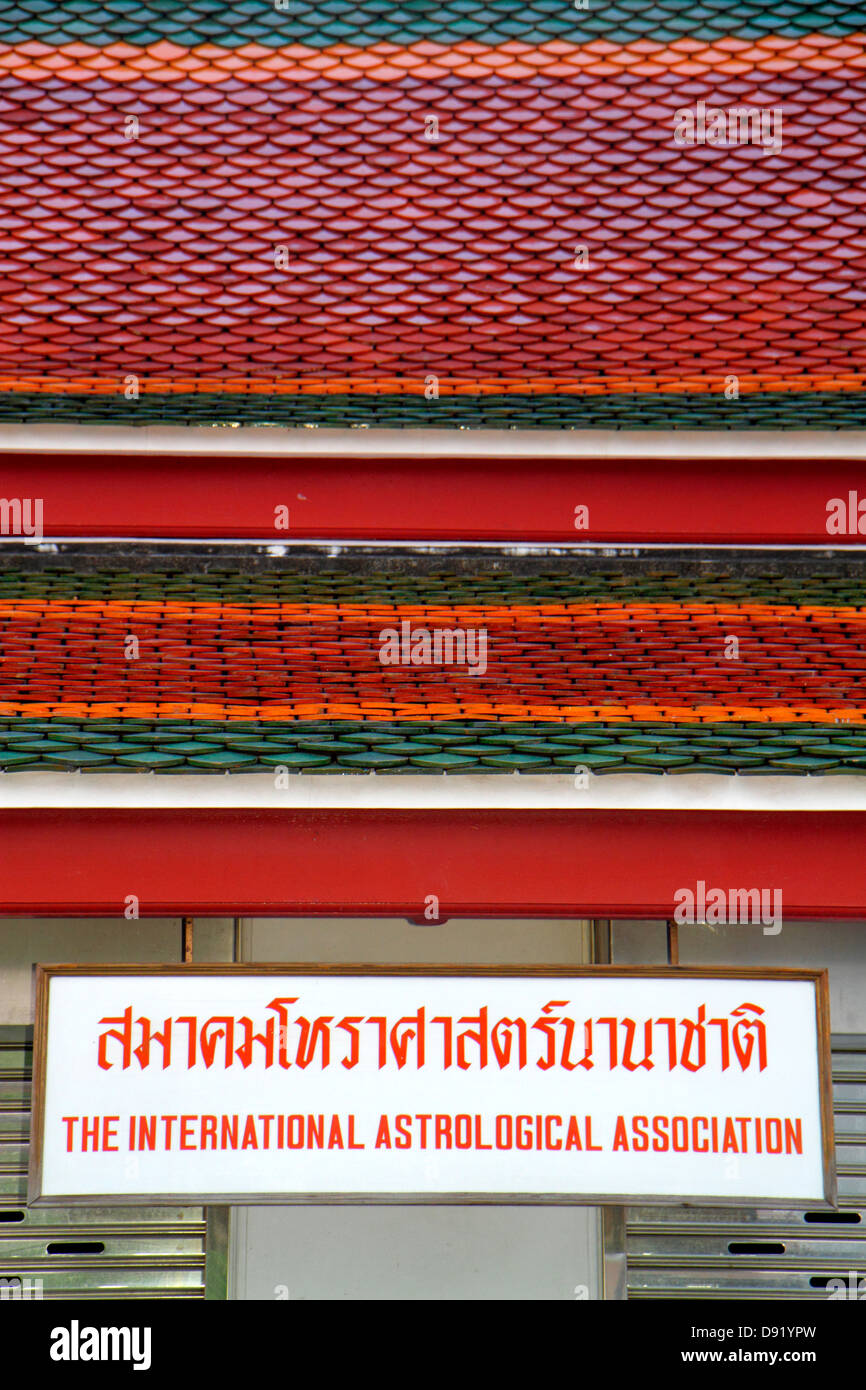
x: 165, y: 62
x: 170, y: 610
x: 448, y: 386
x: 493, y: 710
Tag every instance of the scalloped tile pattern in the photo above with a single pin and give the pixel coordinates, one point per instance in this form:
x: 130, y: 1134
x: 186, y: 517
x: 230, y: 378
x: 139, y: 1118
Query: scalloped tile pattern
x: 280, y: 240
x: 229, y: 672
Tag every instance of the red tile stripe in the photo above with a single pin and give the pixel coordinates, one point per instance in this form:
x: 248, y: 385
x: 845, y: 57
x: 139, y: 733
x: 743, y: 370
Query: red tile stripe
x: 155, y: 257
x: 579, y: 661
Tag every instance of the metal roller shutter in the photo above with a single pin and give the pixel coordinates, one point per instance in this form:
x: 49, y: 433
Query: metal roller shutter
x: 680, y: 1252
x: 83, y: 1252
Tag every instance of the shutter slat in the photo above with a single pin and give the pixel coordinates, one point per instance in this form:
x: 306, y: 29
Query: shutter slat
x: 149, y: 1252
x: 683, y: 1252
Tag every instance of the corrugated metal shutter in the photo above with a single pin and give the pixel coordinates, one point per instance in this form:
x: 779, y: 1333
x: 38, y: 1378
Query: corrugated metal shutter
x: 83, y: 1252
x: 678, y: 1252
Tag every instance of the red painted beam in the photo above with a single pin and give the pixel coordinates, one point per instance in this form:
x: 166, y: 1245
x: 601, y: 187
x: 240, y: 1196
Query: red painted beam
x: 214, y: 496
x: 493, y: 863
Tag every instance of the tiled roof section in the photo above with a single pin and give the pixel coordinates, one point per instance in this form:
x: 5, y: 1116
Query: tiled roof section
x: 225, y: 671
x: 320, y: 23
x: 236, y: 212
x: 232, y: 24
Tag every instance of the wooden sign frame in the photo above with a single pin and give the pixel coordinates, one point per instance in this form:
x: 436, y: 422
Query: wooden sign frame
x: 44, y: 974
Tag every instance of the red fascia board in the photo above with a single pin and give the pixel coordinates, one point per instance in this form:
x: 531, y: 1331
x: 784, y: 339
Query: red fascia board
x: 381, y: 863
x: 435, y: 498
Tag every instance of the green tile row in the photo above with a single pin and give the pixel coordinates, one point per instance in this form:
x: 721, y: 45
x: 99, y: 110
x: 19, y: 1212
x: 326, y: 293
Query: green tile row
x: 230, y: 586
x: 626, y: 410
x: 450, y: 746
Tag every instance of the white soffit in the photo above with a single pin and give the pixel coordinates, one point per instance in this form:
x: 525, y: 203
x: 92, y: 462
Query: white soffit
x: 421, y: 443
x: 517, y: 792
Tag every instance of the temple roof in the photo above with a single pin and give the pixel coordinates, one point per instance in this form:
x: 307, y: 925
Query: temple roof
x: 601, y: 667
x: 432, y: 215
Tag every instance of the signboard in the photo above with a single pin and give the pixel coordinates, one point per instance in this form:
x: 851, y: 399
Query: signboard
x: 363, y: 1083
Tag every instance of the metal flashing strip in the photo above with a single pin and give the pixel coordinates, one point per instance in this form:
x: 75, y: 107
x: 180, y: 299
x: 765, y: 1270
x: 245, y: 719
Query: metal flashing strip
x: 360, y: 558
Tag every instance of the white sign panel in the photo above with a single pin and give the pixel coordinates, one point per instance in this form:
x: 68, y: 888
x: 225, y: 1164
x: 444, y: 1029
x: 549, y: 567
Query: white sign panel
x: 298, y: 1084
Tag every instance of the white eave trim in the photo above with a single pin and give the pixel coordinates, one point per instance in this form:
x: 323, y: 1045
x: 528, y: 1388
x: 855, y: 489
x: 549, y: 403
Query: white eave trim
x: 422, y: 443
x: 426, y: 792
